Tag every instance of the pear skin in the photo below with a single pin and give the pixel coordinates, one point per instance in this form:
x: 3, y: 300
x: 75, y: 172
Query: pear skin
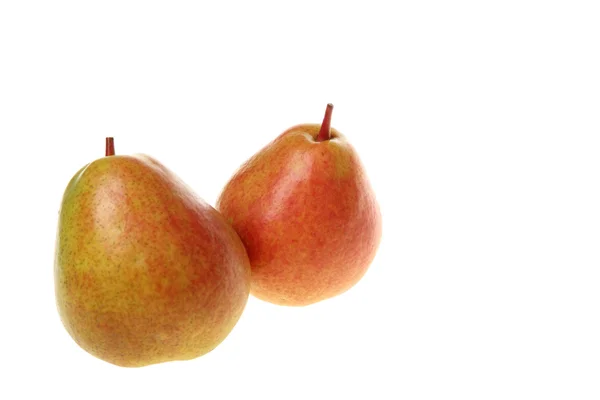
x: 307, y: 214
x: 145, y: 271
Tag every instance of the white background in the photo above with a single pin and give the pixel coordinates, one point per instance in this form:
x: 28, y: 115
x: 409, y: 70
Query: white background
x: 478, y: 123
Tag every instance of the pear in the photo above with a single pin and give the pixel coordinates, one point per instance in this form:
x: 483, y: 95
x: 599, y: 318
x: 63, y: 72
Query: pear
x: 145, y: 271
x: 307, y: 214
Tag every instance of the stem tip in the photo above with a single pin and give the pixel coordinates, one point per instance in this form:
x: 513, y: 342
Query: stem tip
x: 110, y: 146
x: 325, y: 132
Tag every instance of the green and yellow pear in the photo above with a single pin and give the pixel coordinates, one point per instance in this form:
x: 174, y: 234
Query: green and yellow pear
x: 145, y: 271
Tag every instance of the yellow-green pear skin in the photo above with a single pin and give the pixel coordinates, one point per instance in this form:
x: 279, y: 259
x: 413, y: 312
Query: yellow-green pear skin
x: 145, y: 271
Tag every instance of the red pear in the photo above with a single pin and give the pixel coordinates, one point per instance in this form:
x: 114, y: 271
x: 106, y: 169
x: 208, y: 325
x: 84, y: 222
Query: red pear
x: 306, y: 212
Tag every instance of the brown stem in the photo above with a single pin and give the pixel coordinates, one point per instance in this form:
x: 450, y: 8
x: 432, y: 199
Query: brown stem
x: 110, y: 146
x: 325, y: 132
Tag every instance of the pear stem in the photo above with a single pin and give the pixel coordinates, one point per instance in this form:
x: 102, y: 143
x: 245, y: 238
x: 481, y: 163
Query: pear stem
x: 325, y: 132
x: 110, y: 146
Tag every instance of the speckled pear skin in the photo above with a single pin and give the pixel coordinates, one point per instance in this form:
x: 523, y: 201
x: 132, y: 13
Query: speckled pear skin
x: 145, y: 271
x: 307, y: 215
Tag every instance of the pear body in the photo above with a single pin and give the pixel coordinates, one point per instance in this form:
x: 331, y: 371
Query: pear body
x: 307, y: 215
x: 145, y: 271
